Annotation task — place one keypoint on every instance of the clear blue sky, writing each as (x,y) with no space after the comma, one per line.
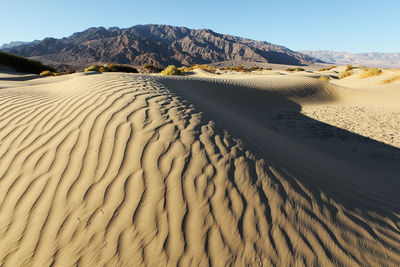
(338,25)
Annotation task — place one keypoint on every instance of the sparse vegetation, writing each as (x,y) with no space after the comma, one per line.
(120,68)
(391,79)
(208,68)
(47,73)
(149,68)
(171,70)
(325,78)
(255,68)
(370,72)
(235,68)
(22,64)
(349,67)
(327,68)
(93,68)
(345,74)
(243,69)
(294,69)
(112,68)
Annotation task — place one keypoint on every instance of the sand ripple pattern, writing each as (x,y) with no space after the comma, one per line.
(116,170)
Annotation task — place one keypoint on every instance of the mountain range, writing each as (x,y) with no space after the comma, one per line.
(160,45)
(383,60)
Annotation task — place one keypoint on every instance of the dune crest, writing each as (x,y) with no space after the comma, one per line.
(125,170)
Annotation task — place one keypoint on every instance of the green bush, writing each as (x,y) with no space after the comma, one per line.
(171,70)
(22,64)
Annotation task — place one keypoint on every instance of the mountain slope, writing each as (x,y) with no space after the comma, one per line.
(14,44)
(389,60)
(157,44)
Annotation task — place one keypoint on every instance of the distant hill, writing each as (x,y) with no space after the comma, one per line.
(21,64)
(385,60)
(160,45)
(16,44)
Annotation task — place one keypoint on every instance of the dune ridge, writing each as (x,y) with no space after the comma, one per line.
(120,170)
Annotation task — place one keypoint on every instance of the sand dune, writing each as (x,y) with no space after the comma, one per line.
(128,170)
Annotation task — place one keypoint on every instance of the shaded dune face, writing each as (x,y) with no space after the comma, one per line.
(127,170)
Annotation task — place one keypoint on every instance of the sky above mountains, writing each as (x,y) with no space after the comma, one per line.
(355,26)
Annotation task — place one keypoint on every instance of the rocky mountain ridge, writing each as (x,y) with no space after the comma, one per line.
(160,45)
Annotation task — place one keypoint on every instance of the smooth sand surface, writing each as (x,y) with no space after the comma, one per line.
(245,170)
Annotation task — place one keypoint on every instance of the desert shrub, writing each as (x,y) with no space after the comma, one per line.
(150,68)
(120,68)
(371,72)
(327,68)
(70,71)
(22,64)
(349,67)
(345,74)
(171,70)
(391,79)
(112,68)
(208,68)
(235,68)
(254,68)
(325,78)
(268,69)
(93,68)
(47,73)
(239,68)
(185,69)
(294,69)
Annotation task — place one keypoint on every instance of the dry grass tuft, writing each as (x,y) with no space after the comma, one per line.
(391,79)
(205,67)
(171,70)
(370,72)
(345,74)
(349,67)
(327,68)
(46,73)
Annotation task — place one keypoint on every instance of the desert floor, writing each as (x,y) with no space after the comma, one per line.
(264,169)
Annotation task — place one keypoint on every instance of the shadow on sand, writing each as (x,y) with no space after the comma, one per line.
(355,171)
